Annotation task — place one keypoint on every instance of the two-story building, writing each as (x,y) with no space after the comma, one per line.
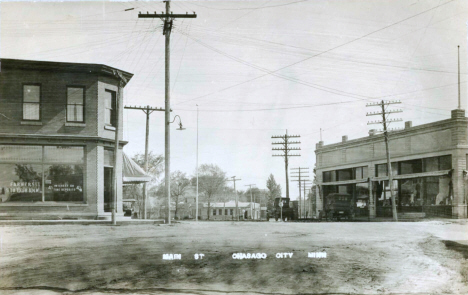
(429,168)
(57,139)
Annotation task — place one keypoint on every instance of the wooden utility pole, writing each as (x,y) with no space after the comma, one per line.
(385,121)
(147,110)
(286,149)
(250,185)
(237,206)
(118,99)
(168,19)
(299,180)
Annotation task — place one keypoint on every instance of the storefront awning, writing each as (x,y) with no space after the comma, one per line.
(132,173)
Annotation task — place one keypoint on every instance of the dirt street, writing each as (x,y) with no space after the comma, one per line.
(370,258)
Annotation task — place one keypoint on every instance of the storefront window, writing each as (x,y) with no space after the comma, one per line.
(431,164)
(329,176)
(20,183)
(24,169)
(410,167)
(344,174)
(381,169)
(360,172)
(63,183)
(445,162)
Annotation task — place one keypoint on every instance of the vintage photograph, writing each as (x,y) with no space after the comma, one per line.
(233,147)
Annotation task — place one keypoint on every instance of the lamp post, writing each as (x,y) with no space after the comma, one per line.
(167,172)
(196,199)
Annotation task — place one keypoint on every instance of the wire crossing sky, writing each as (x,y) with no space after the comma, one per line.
(256,68)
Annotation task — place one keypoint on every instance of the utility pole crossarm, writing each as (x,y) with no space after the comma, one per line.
(165,15)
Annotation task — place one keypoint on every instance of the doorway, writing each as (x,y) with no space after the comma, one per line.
(108,189)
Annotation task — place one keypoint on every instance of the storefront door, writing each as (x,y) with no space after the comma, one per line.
(108,189)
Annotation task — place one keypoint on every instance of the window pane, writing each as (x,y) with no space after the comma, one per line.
(31,93)
(75,95)
(20,183)
(445,162)
(75,113)
(431,164)
(63,183)
(364,172)
(108,157)
(409,167)
(345,174)
(31,111)
(21,153)
(64,154)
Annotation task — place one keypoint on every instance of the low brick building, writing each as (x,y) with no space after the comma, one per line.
(57,131)
(429,164)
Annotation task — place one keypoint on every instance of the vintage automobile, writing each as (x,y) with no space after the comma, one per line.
(339,206)
(283,209)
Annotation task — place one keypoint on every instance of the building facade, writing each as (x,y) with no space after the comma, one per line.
(57,139)
(226,211)
(429,166)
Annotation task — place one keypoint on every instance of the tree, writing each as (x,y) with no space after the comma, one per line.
(274,190)
(155,169)
(179,184)
(211,180)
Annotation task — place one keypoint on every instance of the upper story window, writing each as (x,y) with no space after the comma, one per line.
(32,102)
(110,105)
(75,104)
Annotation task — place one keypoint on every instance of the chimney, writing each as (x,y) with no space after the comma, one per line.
(408,124)
(344,138)
(458,114)
(372,132)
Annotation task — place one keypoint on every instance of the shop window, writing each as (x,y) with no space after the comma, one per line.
(431,164)
(381,169)
(214,212)
(344,174)
(20,183)
(226,211)
(445,162)
(220,211)
(360,172)
(75,104)
(329,176)
(31,102)
(231,211)
(24,170)
(63,183)
(410,167)
(110,105)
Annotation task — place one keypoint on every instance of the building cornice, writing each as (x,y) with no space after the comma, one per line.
(28,138)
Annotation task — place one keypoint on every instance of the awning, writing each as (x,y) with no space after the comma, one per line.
(132,173)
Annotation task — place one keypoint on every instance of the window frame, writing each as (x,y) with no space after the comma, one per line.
(40,102)
(83,104)
(113,115)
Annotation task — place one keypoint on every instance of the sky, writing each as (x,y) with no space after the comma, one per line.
(255,69)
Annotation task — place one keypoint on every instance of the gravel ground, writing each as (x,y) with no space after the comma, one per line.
(362,258)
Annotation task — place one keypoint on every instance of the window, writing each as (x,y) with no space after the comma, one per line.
(110,106)
(232,211)
(345,174)
(31,102)
(445,162)
(431,164)
(329,176)
(410,167)
(75,104)
(226,212)
(381,169)
(214,212)
(220,212)
(41,173)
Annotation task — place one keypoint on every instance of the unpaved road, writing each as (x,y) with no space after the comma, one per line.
(369,258)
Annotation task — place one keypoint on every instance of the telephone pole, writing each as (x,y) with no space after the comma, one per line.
(300,175)
(286,148)
(168,19)
(147,110)
(250,185)
(237,206)
(385,121)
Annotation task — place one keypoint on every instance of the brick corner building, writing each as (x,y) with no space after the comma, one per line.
(429,165)
(57,139)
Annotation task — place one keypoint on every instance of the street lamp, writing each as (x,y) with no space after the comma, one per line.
(167,172)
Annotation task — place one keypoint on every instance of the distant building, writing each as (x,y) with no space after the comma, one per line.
(57,131)
(226,211)
(429,164)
